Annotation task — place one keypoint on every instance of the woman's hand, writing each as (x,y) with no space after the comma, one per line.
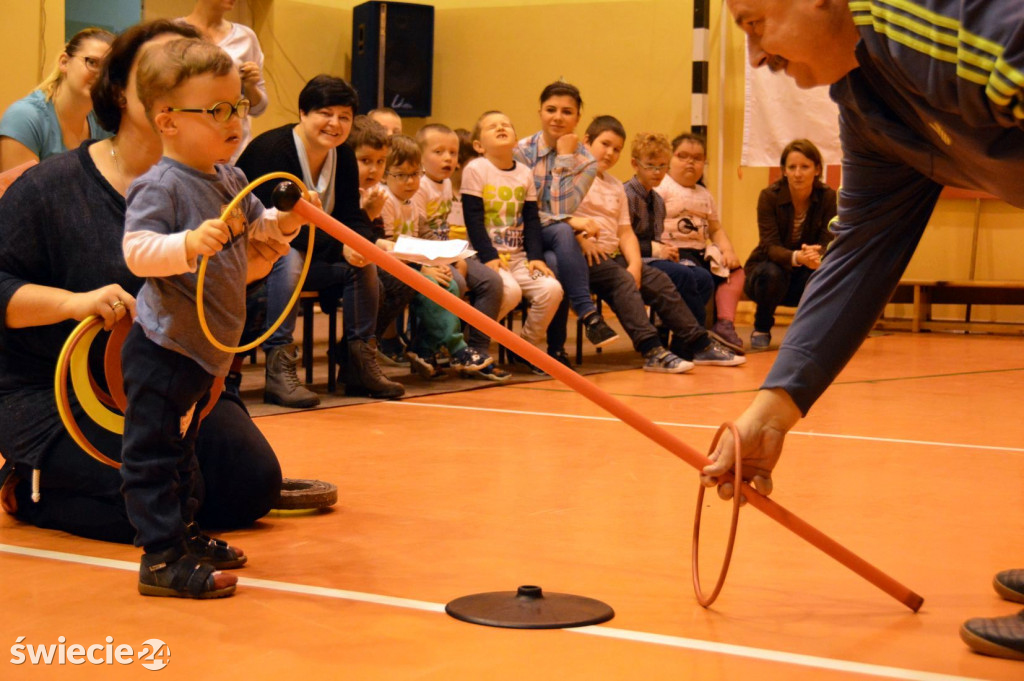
(111,303)
(762,427)
(353,257)
(261,257)
(731,261)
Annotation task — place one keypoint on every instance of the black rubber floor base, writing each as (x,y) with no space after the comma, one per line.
(529,608)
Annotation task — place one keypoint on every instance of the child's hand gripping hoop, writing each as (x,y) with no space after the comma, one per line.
(707,600)
(201,278)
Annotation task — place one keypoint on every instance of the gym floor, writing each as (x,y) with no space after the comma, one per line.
(914,460)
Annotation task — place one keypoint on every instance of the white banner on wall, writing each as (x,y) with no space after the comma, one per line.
(776,111)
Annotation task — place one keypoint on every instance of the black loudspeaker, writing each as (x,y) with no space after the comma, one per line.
(393,56)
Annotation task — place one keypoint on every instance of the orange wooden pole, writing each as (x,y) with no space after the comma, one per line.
(638,421)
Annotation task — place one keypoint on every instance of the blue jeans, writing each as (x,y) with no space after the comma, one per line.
(358,287)
(563,255)
(696,285)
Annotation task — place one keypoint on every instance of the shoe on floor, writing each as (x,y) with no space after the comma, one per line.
(995,636)
(471,360)
(760,340)
(716,354)
(425,366)
(662,361)
(391,353)
(1010,585)
(514,360)
(725,332)
(598,332)
(363,376)
(283,386)
(492,372)
(561,356)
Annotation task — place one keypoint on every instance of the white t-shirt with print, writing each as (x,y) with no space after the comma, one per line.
(688,211)
(504,192)
(606,204)
(433,200)
(400,217)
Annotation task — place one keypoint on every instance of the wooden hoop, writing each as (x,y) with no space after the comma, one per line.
(707,600)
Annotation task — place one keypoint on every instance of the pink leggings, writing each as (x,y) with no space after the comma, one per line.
(727,294)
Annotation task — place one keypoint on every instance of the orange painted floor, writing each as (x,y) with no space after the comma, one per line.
(914,460)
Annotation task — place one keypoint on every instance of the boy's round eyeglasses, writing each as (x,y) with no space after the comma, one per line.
(221,111)
(405,177)
(653,169)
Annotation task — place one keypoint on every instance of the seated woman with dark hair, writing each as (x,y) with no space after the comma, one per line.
(61,226)
(314,150)
(792,218)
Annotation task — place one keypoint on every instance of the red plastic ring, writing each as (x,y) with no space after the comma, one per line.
(707,600)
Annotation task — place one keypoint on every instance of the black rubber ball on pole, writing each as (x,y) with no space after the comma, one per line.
(286,195)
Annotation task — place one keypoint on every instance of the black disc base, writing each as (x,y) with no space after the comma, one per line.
(529,608)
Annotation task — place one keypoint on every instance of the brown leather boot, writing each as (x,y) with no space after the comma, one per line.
(283,385)
(363,376)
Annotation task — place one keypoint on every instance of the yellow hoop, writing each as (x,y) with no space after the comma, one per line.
(61,392)
(83,386)
(295,294)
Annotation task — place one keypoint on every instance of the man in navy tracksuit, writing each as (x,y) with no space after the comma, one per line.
(930,93)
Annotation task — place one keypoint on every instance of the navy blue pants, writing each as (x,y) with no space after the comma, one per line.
(166,391)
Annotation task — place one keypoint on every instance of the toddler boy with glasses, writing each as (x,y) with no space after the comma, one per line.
(189,89)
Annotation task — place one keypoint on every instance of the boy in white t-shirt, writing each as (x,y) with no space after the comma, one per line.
(619,276)
(440,148)
(499,204)
(433,325)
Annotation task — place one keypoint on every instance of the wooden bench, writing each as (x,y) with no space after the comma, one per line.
(923,293)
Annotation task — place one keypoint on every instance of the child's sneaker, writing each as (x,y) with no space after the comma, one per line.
(491,373)
(391,353)
(598,332)
(662,361)
(716,354)
(724,332)
(424,366)
(514,359)
(471,360)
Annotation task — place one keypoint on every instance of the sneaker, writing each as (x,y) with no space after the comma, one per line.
(662,361)
(760,340)
(725,332)
(471,360)
(424,366)
(491,372)
(561,356)
(598,332)
(995,636)
(391,353)
(716,354)
(1010,585)
(515,359)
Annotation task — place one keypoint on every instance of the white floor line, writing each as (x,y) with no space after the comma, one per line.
(604,631)
(701,426)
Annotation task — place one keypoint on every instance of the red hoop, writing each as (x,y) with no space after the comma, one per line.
(706,601)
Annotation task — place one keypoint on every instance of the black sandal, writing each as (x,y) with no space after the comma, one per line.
(216,552)
(178,575)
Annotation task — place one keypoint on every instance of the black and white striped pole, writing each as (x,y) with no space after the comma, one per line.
(701,49)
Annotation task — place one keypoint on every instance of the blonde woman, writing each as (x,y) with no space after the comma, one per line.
(57,115)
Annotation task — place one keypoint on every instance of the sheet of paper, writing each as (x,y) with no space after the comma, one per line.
(427,252)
